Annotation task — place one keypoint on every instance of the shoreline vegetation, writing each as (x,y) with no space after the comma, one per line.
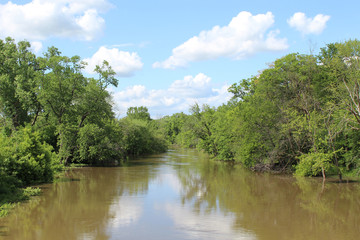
(301,115)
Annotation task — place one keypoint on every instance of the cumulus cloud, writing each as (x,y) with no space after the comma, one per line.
(306,25)
(198,86)
(123,63)
(178,97)
(245,36)
(36,46)
(41,19)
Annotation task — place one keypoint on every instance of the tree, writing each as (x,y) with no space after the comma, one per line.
(174,125)
(101,144)
(18,82)
(72,100)
(141,137)
(340,61)
(201,126)
(106,75)
(138,113)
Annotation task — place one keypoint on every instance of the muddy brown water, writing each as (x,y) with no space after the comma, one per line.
(183,195)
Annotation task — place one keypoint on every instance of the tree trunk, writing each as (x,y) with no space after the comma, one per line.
(323,173)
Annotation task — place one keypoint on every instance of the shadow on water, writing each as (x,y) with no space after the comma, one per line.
(350,181)
(65,179)
(141,163)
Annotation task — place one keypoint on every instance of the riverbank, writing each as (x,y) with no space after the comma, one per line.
(12,192)
(9,200)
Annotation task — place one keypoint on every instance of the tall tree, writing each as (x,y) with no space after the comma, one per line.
(18,82)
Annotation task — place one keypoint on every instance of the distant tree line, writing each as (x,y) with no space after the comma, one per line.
(302,114)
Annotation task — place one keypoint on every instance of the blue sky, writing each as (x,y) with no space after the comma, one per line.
(170,54)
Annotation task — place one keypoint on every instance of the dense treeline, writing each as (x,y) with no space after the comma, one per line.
(302,114)
(52,115)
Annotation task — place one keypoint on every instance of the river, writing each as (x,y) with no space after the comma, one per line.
(182,195)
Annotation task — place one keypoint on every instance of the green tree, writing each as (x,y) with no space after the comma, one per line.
(138,113)
(101,144)
(141,137)
(174,125)
(18,82)
(71,100)
(276,111)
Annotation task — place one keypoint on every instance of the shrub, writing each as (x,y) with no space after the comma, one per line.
(312,163)
(24,157)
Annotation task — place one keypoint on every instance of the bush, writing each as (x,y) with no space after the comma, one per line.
(312,163)
(25,158)
(8,185)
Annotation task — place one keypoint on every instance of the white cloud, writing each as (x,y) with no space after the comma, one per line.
(306,25)
(178,97)
(76,6)
(41,19)
(36,46)
(245,35)
(123,63)
(190,86)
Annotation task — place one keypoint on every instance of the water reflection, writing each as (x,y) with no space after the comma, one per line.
(81,209)
(182,195)
(125,211)
(200,222)
(273,207)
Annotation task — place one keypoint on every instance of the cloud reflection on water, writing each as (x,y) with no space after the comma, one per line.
(199,223)
(125,211)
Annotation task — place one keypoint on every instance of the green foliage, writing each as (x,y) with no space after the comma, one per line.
(18,81)
(303,110)
(174,125)
(51,114)
(138,113)
(23,156)
(100,145)
(141,137)
(8,184)
(13,195)
(313,163)
(5,208)
(204,129)
(70,112)
(106,75)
